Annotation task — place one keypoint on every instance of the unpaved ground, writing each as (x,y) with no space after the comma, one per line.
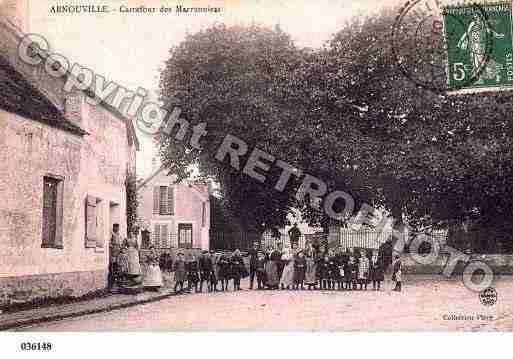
(424,305)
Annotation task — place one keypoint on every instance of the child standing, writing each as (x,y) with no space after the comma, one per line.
(205,268)
(339,263)
(192,274)
(238,269)
(166,265)
(348,273)
(311,271)
(363,270)
(333,271)
(377,271)
(397,273)
(214,273)
(324,272)
(299,270)
(260,270)
(180,273)
(224,271)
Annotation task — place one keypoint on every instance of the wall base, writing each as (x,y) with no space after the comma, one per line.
(37,288)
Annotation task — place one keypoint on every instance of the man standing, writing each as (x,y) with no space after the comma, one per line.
(280,264)
(294,235)
(397,273)
(253,259)
(114,251)
(206,268)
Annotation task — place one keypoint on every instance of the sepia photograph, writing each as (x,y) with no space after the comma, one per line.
(257,166)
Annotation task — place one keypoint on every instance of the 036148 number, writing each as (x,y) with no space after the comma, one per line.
(36,346)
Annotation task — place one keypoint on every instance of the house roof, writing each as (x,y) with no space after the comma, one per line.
(150,177)
(20,95)
(25,96)
(143,183)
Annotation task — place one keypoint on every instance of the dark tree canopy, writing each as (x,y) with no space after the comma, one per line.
(230,78)
(345,114)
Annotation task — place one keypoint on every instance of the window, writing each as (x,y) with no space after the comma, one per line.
(52,212)
(184,235)
(163,200)
(161,236)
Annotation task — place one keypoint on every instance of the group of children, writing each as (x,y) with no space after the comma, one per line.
(328,271)
(273,269)
(211,269)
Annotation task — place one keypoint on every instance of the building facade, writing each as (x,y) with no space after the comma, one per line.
(62,185)
(177,215)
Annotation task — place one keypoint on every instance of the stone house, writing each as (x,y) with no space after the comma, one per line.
(63,181)
(177,215)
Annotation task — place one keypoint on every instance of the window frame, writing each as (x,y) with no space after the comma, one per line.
(162,241)
(180,243)
(165,200)
(57,242)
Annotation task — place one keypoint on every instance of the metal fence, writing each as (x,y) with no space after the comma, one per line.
(333,239)
(340,238)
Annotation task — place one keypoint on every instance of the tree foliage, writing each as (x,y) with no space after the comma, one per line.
(434,158)
(345,114)
(228,77)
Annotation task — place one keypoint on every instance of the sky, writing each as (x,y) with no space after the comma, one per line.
(130,49)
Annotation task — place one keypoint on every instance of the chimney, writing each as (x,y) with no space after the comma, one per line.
(16,12)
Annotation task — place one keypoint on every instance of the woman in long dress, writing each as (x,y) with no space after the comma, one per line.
(311,271)
(123,266)
(153,275)
(271,270)
(287,277)
(397,273)
(134,265)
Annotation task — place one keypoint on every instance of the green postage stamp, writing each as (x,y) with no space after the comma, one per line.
(479,45)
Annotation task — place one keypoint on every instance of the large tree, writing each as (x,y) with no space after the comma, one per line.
(434,158)
(345,114)
(229,77)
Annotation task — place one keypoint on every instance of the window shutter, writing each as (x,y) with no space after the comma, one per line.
(90,240)
(163,200)
(163,235)
(59,241)
(156,235)
(156,200)
(99,225)
(170,201)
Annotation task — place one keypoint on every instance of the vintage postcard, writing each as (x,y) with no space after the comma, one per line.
(229,165)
